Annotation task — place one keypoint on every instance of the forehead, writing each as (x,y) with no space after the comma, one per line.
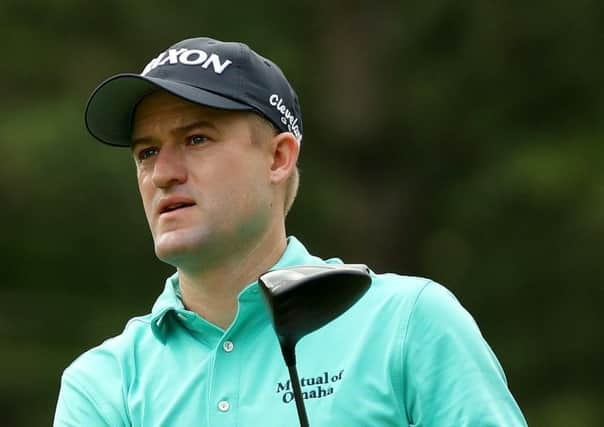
(162,110)
(163,105)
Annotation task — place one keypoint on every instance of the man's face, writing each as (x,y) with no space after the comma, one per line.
(203,179)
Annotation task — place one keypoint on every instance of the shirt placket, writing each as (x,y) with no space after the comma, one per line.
(224,391)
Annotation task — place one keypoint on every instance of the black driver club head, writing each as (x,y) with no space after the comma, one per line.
(304,298)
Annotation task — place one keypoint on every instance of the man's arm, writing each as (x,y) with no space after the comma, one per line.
(451,376)
(91,393)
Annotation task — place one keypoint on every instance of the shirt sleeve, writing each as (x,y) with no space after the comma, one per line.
(91,394)
(451,377)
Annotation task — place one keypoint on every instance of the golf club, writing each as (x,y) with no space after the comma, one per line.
(302,299)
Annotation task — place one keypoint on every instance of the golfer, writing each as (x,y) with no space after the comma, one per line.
(215,131)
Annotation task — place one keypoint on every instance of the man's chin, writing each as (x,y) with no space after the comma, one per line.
(174,246)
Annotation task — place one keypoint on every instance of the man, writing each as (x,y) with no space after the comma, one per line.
(215,131)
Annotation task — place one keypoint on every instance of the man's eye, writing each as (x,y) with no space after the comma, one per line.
(197,139)
(145,153)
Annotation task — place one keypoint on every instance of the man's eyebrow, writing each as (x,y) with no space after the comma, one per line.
(180,129)
(194,125)
(138,141)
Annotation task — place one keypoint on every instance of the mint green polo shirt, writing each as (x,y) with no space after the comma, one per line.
(407,354)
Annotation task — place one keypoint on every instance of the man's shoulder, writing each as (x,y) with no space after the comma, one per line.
(397,285)
(407,295)
(392,296)
(112,352)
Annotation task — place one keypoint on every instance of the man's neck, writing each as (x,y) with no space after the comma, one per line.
(212,293)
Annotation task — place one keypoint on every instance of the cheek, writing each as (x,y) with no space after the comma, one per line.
(248,177)
(227,171)
(145,189)
(239,186)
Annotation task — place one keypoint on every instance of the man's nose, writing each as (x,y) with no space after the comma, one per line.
(169,168)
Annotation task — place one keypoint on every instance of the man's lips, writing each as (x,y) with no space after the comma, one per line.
(173,203)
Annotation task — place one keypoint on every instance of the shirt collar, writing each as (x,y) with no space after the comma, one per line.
(170,299)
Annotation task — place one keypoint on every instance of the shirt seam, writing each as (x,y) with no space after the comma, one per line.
(102,413)
(403,348)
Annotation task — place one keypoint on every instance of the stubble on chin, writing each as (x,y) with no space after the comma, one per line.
(178,246)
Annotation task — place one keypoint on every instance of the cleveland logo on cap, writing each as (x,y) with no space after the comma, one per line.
(188,57)
(287,117)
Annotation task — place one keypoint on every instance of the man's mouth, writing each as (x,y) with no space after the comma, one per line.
(175,207)
(174,204)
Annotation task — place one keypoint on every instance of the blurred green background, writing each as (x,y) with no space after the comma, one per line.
(456,140)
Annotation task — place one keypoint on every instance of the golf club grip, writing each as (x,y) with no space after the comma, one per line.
(293,375)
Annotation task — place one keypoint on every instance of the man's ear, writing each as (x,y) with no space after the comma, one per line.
(284,156)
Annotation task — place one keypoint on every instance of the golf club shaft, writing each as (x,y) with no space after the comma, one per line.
(293,375)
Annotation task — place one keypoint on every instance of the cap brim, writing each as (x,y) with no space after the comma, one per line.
(111,106)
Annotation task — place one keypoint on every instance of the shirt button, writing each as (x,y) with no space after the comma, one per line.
(227,346)
(224,406)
